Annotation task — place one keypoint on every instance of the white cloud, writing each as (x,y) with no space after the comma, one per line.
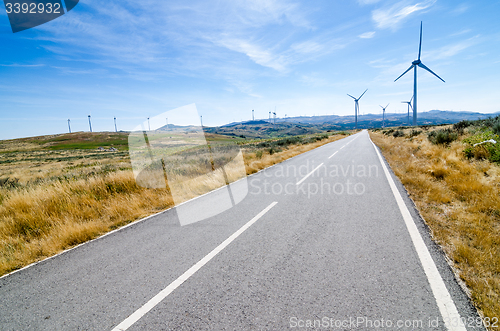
(462,8)
(306,47)
(367,35)
(22,65)
(258,55)
(392,17)
(367,2)
(450,50)
(195,39)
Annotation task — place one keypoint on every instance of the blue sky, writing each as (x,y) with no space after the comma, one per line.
(134,59)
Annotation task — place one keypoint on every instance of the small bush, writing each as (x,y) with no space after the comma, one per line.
(414,133)
(398,133)
(258,154)
(496,128)
(462,125)
(388,132)
(273,150)
(442,136)
(487,150)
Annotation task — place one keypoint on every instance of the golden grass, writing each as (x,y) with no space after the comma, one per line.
(459,199)
(65,198)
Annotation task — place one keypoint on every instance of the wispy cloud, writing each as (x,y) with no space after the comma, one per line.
(451,50)
(392,17)
(367,2)
(22,65)
(192,39)
(367,35)
(460,9)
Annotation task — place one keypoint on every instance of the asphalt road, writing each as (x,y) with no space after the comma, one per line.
(328,249)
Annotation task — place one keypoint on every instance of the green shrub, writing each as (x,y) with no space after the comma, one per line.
(398,133)
(487,150)
(388,132)
(496,128)
(442,136)
(414,133)
(462,125)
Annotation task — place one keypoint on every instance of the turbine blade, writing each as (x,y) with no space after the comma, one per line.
(351,96)
(420,46)
(387,105)
(421,65)
(411,98)
(363,94)
(381,107)
(405,72)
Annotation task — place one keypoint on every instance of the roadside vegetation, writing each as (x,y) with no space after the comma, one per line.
(59,191)
(452,173)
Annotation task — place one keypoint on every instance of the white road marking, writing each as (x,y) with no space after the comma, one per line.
(309,174)
(129,321)
(443,298)
(333,154)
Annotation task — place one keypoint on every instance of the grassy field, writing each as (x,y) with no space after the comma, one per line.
(60,191)
(456,187)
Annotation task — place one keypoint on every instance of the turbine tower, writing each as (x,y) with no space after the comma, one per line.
(356,108)
(383,114)
(253,117)
(414,65)
(409,105)
(116,129)
(69,125)
(90,124)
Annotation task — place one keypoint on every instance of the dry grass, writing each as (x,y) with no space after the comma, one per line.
(460,201)
(58,199)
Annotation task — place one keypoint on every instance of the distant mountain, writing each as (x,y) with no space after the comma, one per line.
(264,129)
(367,121)
(301,125)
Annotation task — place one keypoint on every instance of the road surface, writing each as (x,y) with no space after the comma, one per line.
(327,240)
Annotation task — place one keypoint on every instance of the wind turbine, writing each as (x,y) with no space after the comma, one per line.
(383,114)
(414,65)
(356,108)
(90,124)
(409,105)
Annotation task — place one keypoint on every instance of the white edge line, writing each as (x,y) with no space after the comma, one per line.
(129,321)
(158,213)
(443,298)
(309,174)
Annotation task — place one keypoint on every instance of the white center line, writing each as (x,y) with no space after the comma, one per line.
(443,298)
(333,154)
(309,174)
(129,321)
